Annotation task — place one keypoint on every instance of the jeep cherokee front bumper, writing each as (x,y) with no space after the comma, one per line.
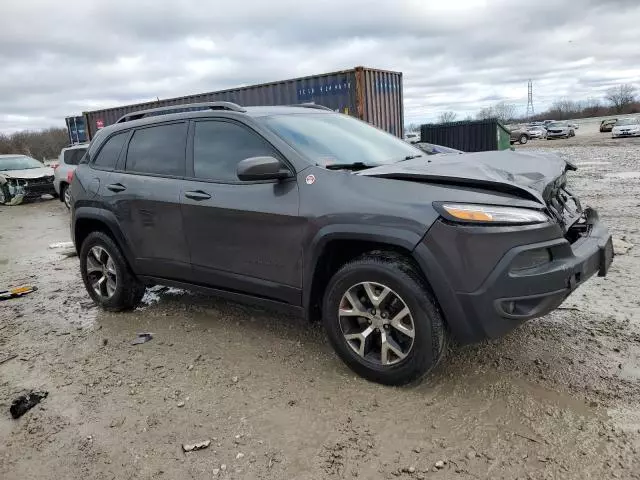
(488,280)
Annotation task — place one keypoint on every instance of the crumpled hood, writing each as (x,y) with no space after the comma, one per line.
(28,173)
(523,173)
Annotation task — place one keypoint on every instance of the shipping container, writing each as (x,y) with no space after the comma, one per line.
(468,135)
(75,129)
(368,94)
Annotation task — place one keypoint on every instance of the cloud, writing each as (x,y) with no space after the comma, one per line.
(460,56)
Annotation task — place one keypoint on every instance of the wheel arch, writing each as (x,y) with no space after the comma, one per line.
(89,219)
(334,246)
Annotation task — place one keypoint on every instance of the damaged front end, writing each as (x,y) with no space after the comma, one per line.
(14,191)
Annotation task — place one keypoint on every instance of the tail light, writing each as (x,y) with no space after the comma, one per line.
(70,176)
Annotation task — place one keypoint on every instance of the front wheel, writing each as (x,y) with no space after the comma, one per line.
(382,320)
(523,139)
(106,274)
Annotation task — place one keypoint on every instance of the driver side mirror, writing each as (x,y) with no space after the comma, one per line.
(262,168)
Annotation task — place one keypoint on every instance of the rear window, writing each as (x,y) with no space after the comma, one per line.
(158,150)
(73,156)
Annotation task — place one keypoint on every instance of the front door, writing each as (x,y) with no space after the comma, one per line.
(243,236)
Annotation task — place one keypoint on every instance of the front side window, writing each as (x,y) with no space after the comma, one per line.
(218,147)
(158,150)
(110,151)
(327,139)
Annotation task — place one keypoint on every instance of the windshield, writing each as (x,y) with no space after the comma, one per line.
(338,139)
(627,121)
(19,162)
(558,125)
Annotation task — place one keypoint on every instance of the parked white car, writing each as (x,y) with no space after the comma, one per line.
(412,137)
(626,127)
(63,171)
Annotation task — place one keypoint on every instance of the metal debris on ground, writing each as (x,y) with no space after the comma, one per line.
(196,446)
(62,245)
(24,403)
(17,292)
(142,338)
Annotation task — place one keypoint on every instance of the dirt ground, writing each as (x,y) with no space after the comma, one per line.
(557,398)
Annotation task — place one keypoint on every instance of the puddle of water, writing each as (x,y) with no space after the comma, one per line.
(623,175)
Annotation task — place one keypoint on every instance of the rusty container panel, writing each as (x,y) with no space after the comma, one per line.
(382,99)
(342,91)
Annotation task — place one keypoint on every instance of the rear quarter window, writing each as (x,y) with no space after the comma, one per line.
(73,156)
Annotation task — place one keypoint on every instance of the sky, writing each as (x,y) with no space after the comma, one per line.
(59,59)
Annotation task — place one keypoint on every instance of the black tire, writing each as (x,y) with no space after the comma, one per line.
(129,290)
(523,139)
(398,273)
(64,188)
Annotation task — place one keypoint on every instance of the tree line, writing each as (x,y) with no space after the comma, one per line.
(41,145)
(617,101)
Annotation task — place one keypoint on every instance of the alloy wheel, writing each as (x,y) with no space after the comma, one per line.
(376,323)
(101,272)
(67,197)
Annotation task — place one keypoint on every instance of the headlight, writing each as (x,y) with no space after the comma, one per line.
(471,213)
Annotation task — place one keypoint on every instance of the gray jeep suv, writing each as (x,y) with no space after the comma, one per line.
(316,212)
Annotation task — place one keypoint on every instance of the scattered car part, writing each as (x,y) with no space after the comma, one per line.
(196,446)
(142,338)
(17,292)
(24,403)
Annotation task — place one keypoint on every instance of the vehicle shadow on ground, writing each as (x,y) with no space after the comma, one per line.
(549,351)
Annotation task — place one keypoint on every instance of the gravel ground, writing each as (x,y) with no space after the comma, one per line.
(557,398)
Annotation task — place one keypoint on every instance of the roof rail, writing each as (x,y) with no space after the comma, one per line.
(185,107)
(312,105)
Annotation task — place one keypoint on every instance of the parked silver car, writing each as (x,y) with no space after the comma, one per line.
(63,172)
(559,130)
(537,131)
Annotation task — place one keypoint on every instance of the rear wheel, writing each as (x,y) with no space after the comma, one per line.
(382,320)
(65,195)
(106,274)
(523,139)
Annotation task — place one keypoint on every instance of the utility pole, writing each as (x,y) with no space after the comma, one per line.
(530,100)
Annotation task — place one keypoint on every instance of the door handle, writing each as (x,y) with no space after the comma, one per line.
(197,195)
(116,187)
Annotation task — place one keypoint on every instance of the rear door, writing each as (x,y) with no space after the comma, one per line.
(145,196)
(243,236)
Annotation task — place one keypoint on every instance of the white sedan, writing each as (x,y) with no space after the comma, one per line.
(626,127)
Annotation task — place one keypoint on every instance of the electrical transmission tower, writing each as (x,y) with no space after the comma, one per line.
(530,100)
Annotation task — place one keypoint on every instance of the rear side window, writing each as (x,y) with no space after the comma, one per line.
(158,150)
(219,146)
(73,156)
(110,151)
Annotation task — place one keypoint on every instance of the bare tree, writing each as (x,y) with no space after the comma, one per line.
(621,96)
(43,144)
(447,117)
(503,111)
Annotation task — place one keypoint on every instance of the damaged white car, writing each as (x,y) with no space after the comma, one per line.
(23,178)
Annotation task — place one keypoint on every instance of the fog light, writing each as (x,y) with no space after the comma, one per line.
(531,259)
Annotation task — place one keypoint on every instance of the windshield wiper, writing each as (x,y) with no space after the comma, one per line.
(408,157)
(348,166)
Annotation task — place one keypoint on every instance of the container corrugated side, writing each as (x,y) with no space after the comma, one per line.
(382,101)
(468,136)
(371,95)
